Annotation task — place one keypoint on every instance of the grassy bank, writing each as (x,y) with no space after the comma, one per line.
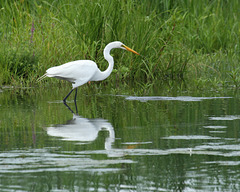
(197,41)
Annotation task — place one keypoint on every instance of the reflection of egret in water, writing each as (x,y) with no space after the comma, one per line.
(83,130)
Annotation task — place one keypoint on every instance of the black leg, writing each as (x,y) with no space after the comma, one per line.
(76,102)
(75,95)
(68,107)
(64,100)
(76,107)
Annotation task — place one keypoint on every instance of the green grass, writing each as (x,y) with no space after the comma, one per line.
(195,41)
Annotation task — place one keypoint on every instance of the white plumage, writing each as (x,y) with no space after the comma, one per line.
(77,72)
(81,71)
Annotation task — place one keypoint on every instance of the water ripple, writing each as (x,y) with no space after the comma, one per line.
(180,98)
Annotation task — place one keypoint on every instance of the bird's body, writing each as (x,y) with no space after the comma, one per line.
(77,72)
(81,71)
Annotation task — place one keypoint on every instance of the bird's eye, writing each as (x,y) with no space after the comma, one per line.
(123,46)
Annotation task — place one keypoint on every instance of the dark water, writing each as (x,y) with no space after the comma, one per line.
(119,142)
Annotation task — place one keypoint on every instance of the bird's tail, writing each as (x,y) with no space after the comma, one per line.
(42,77)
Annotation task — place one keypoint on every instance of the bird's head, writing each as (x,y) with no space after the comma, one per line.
(118,44)
(129,49)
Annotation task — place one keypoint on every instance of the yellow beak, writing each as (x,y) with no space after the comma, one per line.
(129,49)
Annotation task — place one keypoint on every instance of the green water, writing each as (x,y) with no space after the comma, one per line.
(119,142)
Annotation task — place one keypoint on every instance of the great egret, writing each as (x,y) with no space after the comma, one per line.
(82,71)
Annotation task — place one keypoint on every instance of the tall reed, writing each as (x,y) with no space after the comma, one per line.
(177,39)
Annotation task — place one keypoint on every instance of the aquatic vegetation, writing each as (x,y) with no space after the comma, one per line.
(178,39)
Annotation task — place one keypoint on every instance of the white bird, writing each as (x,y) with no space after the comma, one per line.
(82,71)
(83,130)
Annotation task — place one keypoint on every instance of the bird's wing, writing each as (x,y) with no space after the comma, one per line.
(78,72)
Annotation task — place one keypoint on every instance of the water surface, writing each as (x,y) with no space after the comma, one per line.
(119,142)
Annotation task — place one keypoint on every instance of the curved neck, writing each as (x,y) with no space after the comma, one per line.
(110,61)
(101,75)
